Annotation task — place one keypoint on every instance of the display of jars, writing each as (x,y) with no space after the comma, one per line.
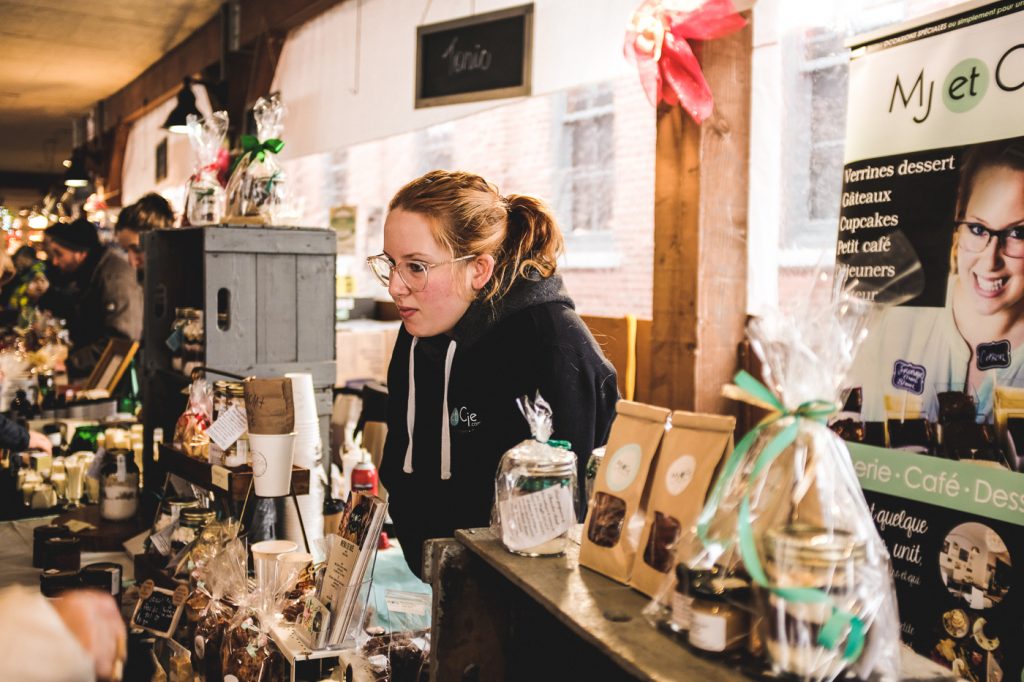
(119,486)
(187,341)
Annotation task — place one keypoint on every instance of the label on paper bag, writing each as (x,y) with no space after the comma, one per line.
(623,467)
(530,520)
(229,427)
(679,475)
(219,476)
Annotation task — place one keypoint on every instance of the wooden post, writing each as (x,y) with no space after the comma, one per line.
(700,242)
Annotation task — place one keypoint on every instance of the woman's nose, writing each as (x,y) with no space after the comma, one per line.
(396,285)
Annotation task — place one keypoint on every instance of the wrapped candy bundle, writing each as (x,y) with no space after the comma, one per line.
(204,196)
(257,184)
(785,561)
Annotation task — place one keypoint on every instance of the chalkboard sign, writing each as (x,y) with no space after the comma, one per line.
(485,56)
(159,612)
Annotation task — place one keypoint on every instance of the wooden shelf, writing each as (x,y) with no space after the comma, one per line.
(485,595)
(238,478)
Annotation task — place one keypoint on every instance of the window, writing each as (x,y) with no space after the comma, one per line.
(586,160)
(798,129)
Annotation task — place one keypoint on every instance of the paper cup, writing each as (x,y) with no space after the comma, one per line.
(264,559)
(303,397)
(272,456)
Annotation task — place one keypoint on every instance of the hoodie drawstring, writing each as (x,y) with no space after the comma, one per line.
(446,441)
(410,418)
(410,421)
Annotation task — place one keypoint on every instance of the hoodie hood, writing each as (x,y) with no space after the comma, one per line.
(479,319)
(527,292)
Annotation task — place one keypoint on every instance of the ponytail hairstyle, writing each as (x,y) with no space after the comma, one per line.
(469,217)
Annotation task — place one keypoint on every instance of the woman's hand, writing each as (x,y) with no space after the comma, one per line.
(39,441)
(92,617)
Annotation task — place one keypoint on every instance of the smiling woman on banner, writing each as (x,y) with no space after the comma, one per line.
(977,340)
(486,319)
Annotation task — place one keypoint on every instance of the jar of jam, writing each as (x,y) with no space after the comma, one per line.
(807,556)
(719,612)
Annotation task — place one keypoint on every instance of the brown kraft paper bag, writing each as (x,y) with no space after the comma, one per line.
(611,532)
(268,405)
(687,459)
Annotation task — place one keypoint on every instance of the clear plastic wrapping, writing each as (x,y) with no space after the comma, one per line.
(257,184)
(190,431)
(204,196)
(535,488)
(220,585)
(784,564)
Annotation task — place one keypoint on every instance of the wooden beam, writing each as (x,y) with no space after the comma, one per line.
(203,48)
(700,244)
(29,180)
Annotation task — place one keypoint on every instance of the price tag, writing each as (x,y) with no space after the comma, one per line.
(228,428)
(219,476)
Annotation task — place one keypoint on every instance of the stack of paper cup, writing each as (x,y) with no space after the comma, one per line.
(271,417)
(309,455)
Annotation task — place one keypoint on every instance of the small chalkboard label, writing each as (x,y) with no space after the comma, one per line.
(484,56)
(993,355)
(159,612)
(908,376)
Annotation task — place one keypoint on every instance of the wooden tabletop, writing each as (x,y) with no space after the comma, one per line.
(609,616)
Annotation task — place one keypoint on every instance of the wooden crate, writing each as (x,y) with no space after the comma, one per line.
(268,299)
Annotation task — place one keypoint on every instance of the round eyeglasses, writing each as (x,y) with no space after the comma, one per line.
(975,238)
(413,273)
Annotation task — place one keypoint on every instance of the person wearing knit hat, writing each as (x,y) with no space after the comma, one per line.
(102,299)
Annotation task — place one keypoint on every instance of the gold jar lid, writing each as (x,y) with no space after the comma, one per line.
(812,546)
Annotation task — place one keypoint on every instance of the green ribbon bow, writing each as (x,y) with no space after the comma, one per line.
(753,391)
(252,147)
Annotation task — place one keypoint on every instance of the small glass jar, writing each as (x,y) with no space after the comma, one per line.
(228,394)
(682,601)
(170,511)
(719,615)
(811,557)
(193,342)
(533,469)
(119,486)
(191,524)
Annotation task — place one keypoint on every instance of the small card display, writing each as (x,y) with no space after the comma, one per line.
(159,610)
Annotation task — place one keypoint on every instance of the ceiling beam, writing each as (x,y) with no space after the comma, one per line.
(28,180)
(203,48)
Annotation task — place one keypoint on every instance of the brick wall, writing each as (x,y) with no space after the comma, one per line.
(519,147)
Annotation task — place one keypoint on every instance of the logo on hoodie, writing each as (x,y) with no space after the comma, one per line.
(462,416)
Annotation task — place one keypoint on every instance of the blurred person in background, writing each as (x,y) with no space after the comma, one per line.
(102,299)
(151,212)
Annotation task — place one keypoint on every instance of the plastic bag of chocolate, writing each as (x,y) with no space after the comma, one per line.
(247,652)
(297,575)
(535,488)
(220,585)
(786,547)
(190,430)
(204,196)
(257,184)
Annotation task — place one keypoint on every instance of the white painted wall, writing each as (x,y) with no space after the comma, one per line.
(341,92)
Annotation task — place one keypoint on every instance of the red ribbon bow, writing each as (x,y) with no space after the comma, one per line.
(656,40)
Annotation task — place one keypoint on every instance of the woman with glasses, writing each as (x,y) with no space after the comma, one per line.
(977,340)
(486,320)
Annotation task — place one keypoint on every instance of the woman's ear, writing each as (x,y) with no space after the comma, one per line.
(481,270)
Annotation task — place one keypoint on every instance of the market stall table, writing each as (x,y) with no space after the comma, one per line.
(499,616)
(16,558)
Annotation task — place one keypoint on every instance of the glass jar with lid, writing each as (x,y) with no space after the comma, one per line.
(719,616)
(806,556)
(119,486)
(535,498)
(194,344)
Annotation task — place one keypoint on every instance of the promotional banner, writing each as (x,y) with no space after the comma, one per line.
(935,157)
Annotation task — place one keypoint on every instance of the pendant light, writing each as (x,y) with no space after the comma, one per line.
(186,105)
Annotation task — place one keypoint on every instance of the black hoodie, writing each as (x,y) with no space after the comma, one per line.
(531,340)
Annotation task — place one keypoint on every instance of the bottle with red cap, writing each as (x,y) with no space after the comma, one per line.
(364,475)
